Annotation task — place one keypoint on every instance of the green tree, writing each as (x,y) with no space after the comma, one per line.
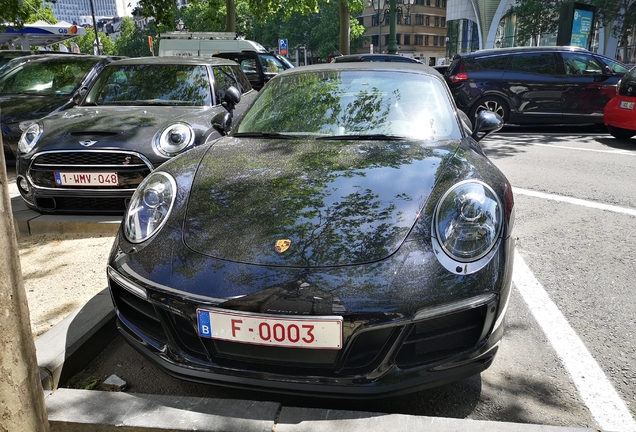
(535,18)
(87,42)
(133,41)
(619,16)
(209,13)
(317,31)
(20,12)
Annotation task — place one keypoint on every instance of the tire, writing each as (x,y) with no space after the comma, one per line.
(490,103)
(620,133)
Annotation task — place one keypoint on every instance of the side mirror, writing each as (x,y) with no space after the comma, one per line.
(79,95)
(231,98)
(486,123)
(222,122)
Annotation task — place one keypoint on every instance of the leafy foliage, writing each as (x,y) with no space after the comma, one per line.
(133,41)
(535,18)
(20,12)
(313,23)
(87,42)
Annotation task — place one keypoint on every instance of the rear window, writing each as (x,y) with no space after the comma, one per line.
(533,63)
(490,63)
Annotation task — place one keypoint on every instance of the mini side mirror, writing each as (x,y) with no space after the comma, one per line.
(79,95)
(222,122)
(231,98)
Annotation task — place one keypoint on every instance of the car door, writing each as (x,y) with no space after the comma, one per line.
(533,86)
(588,86)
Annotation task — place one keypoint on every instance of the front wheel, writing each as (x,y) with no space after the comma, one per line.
(620,133)
(491,103)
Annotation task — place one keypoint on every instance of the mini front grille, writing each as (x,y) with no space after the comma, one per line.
(83,205)
(130,169)
(88,158)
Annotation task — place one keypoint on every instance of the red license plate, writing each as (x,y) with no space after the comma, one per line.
(287,331)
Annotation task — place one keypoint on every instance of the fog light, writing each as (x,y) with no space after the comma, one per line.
(24,185)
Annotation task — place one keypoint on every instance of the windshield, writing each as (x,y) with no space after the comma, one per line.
(378,104)
(185,85)
(51,76)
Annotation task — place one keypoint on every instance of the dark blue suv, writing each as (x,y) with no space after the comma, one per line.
(535,84)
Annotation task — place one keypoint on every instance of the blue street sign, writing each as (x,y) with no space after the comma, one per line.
(282,46)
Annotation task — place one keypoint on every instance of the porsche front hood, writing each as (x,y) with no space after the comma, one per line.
(311,203)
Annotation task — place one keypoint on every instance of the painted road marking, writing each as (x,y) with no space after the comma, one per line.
(576,201)
(604,403)
(621,152)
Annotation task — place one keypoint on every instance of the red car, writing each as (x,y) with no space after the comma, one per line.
(620,112)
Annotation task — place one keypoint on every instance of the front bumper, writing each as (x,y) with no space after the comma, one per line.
(619,117)
(383,354)
(37,185)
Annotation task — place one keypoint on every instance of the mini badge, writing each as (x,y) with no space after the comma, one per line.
(282,245)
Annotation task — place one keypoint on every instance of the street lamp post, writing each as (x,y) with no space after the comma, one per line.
(382,15)
(391,15)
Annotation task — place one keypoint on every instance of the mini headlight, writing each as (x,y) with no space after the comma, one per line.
(173,139)
(30,138)
(149,207)
(468,220)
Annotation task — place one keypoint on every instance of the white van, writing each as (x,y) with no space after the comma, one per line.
(204,44)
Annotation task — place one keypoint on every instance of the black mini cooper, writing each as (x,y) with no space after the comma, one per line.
(138,114)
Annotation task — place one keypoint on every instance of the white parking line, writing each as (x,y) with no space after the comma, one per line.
(622,152)
(606,406)
(576,201)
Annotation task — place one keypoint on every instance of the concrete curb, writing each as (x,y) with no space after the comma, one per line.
(88,411)
(75,341)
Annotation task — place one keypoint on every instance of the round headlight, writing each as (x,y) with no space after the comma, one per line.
(468,220)
(30,138)
(173,139)
(149,207)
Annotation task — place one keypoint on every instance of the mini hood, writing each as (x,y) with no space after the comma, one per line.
(17,108)
(129,128)
(310,203)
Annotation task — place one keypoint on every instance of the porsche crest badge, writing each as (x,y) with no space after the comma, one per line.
(282,245)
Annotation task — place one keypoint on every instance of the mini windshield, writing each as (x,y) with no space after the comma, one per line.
(352,104)
(185,85)
(53,76)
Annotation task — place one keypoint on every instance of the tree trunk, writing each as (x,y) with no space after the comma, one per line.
(21,396)
(230,17)
(345,27)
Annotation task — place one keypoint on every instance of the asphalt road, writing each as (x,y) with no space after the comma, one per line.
(568,357)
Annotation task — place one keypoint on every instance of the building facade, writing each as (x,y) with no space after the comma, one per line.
(420,29)
(78,11)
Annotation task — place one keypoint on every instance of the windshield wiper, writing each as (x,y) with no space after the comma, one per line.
(264,135)
(363,137)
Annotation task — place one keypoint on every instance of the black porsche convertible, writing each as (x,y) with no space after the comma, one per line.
(348,238)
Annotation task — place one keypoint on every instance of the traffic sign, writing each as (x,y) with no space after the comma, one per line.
(282,46)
